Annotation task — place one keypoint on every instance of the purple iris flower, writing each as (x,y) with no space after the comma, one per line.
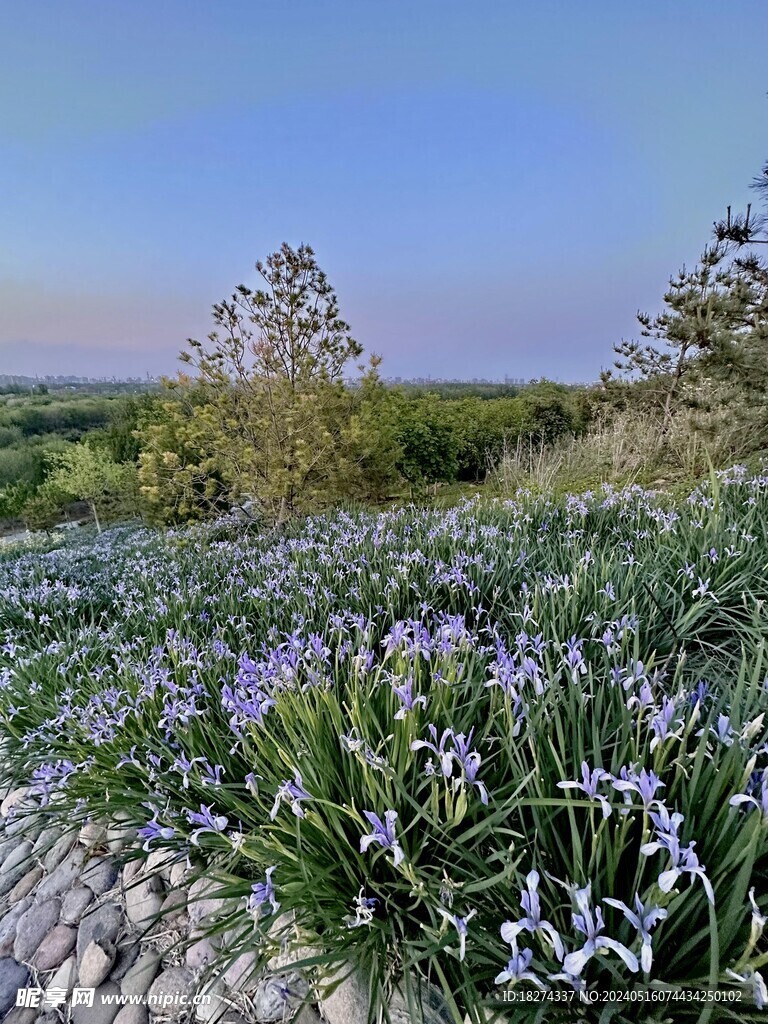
(518,969)
(383,833)
(684,859)
(469,761)
(588,785)
(263,893)
(643,919)
(574,657)
(590,923)
(407,700)
(438,749)
(645,785)
(207,821)
(760,801)
(532,922)
(154,830)
(291,793)
(460,924)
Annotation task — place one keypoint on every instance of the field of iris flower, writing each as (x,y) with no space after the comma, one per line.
(516,747)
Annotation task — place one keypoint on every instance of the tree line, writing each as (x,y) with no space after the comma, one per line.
(276,414)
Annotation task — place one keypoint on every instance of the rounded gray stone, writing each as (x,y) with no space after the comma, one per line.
(55,947)
(200,954)
(241,975)
(7,846)
(99,874)
(75,903)
(101,925)
(21,1015)
(9,878)
(132,1014)
(25,885)
(13,976)
(9,923)
(33,926)
(58,851)
(102,1012)
(19,855)
(215,1005)
(139,977)
(63,876)
(128,950)
(179,874)
(143,901)
(66,976)
(202,900)
(172,990)
(93,833)
(174,910)
(14,801)
(47,839)
(119,835)
(275,998)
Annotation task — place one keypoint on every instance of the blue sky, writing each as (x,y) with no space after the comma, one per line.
(493,188)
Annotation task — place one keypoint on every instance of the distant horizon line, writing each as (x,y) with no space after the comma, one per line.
(150,378)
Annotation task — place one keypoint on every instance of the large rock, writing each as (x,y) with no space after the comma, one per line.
(171,992)
(8,925)
(19,855)
(99,874)
(56,853)
(75,903)
(63,876)
(241,975)
(93,833)
(102,1011)
(202,901)
(132,1014)
(55,947)
(200,954)
(25,885)
(15,800)
(96,963)
(33,926)
(139,977)
(66,976)
(13,976)
(102,925)
(143,901)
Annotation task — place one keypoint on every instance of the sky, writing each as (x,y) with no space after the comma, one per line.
(494,188)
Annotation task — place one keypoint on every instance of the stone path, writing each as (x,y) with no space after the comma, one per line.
(89,910)
(76,914)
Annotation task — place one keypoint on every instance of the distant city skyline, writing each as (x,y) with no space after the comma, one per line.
(492,190)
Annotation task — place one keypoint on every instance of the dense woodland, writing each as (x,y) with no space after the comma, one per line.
(276,414)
